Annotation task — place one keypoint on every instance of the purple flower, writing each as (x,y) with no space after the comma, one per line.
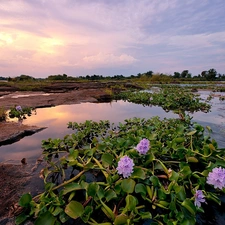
(143,146)
(199,198)
(217,178)
(18,108)
(125,166)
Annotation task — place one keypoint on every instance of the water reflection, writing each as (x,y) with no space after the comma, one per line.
(56,119)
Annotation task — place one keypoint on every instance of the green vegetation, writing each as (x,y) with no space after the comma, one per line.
(177,99)
(168,184)
(19,112)
(177,77)
(83,184)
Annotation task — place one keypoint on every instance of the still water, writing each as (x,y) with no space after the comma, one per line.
(56,119)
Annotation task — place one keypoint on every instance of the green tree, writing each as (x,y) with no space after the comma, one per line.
(184,73)
(176,75)
(149,73)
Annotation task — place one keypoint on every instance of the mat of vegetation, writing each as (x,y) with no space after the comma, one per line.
(139,172)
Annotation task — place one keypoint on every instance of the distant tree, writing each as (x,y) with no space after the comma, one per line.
(176,75)
(204,73)
(212,74)
(189,75)
(184,73)
(149,73)
(139,75)
(23,77)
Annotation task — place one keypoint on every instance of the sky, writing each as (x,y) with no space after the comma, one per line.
(111,37)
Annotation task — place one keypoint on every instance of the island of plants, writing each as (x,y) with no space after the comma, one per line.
(140,171)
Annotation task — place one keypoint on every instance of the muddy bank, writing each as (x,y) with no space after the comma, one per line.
(42,99)
(11,131)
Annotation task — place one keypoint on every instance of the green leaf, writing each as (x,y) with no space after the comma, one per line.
(192,159)
(192,132)
(74,209)
(121,219)
(190,221)
(46,218)
(107,159)
(25,200)
(188,204)
(128,185)
(21,218)
(110,194)
(213,197)
(140,188)
(87,213)
(155,181)
(179,140)
(57,210)
(145,215)
(174,176)
(131,203)
(92,189)
(138,173)
(71,187)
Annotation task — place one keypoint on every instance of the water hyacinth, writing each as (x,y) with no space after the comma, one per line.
(18,108)
(143,146)
(217,178)
(199,198)
(125,166)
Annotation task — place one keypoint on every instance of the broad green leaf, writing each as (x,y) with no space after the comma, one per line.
(74,209)
(110,194)
(128,185)
(107,159)
(140,188)
(131,203)
(25,200)
(92,189)
(138,173)
(71,187)
(155,181)
(188,204)
(21,218)
(174,176)
(121,219)
(46,218)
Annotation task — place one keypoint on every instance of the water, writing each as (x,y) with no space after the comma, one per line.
(56,119)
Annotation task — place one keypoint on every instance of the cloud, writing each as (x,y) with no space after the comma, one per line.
(110,36)
(102,59)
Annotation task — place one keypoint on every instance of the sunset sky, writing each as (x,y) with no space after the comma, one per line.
(109,37)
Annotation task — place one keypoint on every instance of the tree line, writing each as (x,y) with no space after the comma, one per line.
(206,75)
